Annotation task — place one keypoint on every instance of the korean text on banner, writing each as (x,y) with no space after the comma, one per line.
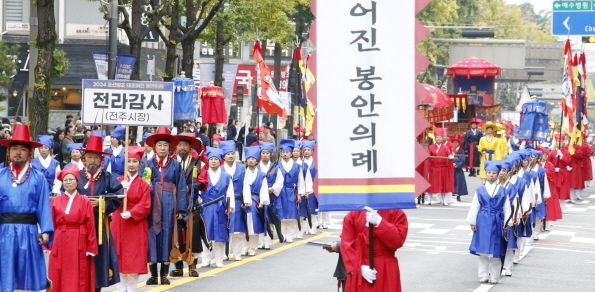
(124,67)
(132,103)
(101,64)
(370,159)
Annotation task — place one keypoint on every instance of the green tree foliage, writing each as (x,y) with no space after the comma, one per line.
(8,67)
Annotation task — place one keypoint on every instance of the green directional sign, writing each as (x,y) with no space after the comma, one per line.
(574,6)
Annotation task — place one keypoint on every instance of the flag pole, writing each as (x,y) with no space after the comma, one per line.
(126,175)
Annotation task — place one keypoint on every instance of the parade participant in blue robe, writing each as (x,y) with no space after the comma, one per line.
(75,155)
(486,216)
(25,217)
(115,162)
(255,186)
(219,204)
(514,143)
(169,203)
(525,191)
(289,189)
(472,137)
(542,193)
(271,171)
(310,201)
(458,163)
(509,183)
(97,183)
(46,164)
(238,223)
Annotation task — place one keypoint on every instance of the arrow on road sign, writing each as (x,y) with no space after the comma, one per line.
(565,23)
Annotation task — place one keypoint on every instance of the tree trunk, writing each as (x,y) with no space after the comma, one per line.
(188,56)
(135,50)
(136,41)
(277,65)
(170,61)
(45,42)
(219,57)
(171,44)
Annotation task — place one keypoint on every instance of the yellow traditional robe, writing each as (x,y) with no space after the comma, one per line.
(491,145)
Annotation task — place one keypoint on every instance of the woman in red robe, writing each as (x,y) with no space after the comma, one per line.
(552,204)
(130,227)
(71,259)
(441,170)
(390,232)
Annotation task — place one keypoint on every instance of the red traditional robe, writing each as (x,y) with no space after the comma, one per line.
(587,165)
(552,204)
(561,180)
(70,268)
(577,172)
(441,170)
(131,234)
(389,236)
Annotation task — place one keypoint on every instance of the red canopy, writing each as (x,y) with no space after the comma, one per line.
(474,67)
(442,105)
(213,105)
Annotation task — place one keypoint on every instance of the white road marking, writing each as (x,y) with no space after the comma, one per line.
(434,231)
(563,233)
(483,288)
(582,239)
(420,225)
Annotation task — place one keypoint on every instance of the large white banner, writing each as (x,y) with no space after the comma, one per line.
(365,89)
(132,103)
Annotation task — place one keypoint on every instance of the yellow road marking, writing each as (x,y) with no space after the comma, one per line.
(215,271)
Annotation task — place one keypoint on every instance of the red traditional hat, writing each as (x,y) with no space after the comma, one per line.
(560,137)
(475,120)
(191,139)
(162,134)
(95,144)
(457,138)
(440,132)
(218,137)
(20,135)
(260,129)
(299,129)
(73,169)
(136,152)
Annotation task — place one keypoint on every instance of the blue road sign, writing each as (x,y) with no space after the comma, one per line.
(573,23)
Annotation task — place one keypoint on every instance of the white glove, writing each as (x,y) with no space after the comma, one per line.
(368,274)
(559,154)
(372,216)
(90,254)
(125,184)
(569,168)
(451,156)
(126,214)
(557,169)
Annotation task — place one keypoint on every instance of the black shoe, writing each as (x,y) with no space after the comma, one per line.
(164,280)
(176,273)
(192,269)
(152,281)
(193,273)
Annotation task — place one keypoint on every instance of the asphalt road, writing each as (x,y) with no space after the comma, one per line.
(434,258)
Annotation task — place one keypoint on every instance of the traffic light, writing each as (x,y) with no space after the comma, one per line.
(589,39)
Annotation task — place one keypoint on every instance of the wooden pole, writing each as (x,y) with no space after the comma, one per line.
(126,176)
(371,246)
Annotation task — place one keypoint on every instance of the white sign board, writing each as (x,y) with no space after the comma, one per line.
(123,102)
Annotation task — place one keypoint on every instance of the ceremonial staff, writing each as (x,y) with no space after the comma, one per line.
(370,243)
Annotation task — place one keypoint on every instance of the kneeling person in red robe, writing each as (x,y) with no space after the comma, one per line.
(390,232)
(71,260)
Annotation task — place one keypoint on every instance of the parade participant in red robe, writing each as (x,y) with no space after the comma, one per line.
(71,260)
(561,181)
(553,210)
(441,170)
(576,172)
(587,165)
(390,232)
(130,227)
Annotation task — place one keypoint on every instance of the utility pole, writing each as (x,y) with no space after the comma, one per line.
(113,38)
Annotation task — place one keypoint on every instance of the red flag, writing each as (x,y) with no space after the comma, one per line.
(568,88)
(268,96)
(213,105)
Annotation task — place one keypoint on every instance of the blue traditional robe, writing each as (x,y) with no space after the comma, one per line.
(114,162)
(460,183)
(49,173)
(524,228)
(271,175)
(106,262)
(22,265)
(489,239)
(470,146)
(511,190)
(312,200)
(214,214)
(540,210)
(258,215)
(238,222)
(285,203)
(163,183)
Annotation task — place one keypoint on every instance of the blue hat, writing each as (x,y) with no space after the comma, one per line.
(309,144)
(98,133)
(535,152)
(252,151)
(47,140)
(227,146)
(492,166)
(118,132)
(506,164)
(287,144)
(514,158)
(516,130)
(146,135)
(297,144)
(214,152)
(73,146)
(266,146)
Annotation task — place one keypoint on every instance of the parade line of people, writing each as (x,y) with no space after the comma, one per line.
(526,187)
(104,220)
